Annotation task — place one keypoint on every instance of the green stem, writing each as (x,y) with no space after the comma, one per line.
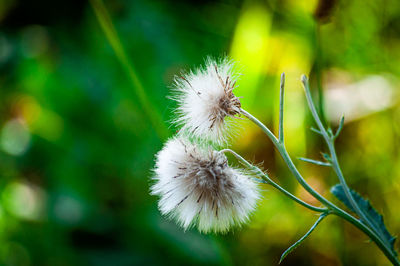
(282,150)
(269,181)
(371,234)
(336,210)
(329,139)
(298,242)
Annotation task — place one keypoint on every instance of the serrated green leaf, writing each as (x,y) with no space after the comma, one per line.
(372,214)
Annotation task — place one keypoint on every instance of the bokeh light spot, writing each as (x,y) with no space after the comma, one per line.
(68,210)
(15,137)
(24,200)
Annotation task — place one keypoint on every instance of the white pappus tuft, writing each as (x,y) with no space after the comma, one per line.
(205,98)
(197,187)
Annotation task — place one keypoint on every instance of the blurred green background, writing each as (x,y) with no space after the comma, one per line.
(83,110)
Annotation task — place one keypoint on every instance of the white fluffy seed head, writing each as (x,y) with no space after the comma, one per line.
(197,187)
(205,98)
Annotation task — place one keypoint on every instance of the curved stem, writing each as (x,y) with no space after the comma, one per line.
(371,234)
(329,139)
(282,150)
(336,210)
(298,242)
(330,147)
(269,181)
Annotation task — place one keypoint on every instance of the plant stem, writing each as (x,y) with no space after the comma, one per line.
(336,210)
(329,139)
(269,181)
(298,242)
(282,150)
(378,241)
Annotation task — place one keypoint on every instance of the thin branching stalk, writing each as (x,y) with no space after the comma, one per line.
(269,181)
(329,139)
(298,242)
(282,150)
(335,209)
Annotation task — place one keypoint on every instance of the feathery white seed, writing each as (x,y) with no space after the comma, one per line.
(205,98)
(197,187)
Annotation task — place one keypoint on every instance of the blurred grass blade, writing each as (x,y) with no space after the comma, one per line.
(111,34)
(298,242)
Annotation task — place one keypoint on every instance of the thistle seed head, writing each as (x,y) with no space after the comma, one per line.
(197,187)
(205,98)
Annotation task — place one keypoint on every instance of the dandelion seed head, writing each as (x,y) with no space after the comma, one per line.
(205,98)
(197,187)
